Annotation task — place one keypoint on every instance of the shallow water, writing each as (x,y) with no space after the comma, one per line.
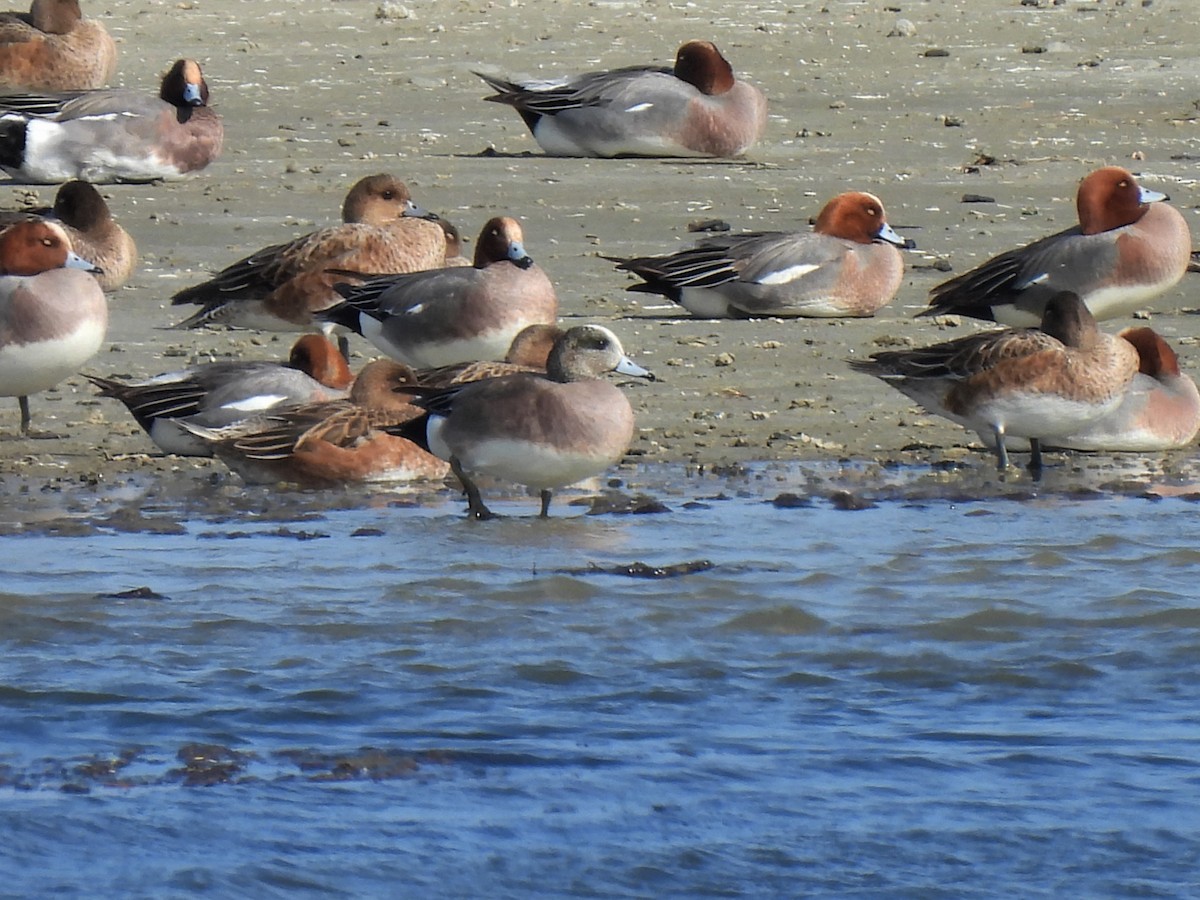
(924,697)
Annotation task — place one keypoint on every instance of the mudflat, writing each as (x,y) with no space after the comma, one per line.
(973,122)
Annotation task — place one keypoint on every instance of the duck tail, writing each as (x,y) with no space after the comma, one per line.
(341,314)
(12,142)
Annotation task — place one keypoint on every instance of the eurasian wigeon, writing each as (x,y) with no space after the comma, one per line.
(848,265)
(339,442)
(1128,248)
(280,287)
(453,314)
(93,232)
(542,431)
(53,314)
(112,135)
(1160,409)
(54,48)
(1039,383)
(217,394)
(697,108)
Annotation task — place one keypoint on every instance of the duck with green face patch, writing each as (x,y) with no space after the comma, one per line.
(542,431)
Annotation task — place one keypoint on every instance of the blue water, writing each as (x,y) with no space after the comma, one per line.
(925,698)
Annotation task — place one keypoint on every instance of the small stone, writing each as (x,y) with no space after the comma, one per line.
(903,28)
(789,500)
(708,225)
(393,11)
(844,500)
(724,359)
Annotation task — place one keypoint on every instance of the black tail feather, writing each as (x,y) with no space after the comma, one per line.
(12,142)
(343,314)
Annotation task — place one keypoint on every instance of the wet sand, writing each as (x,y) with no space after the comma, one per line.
(1015,103)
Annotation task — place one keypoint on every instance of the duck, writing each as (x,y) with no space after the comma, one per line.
(542,431)
(453,314)
(848,265)
(1039,383)
(1129,247)
(93,232)
(327,443)
(217,394)
(1160,409)
(280,287)
(321,445)
(112,135)
(697,108)
(54,48)
(53,314)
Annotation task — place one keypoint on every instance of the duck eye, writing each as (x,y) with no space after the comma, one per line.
(389,195)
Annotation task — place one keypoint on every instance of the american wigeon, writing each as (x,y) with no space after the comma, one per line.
(112,135)
(1160,409)
(53,48)
(323,444)
(453,314)
(280,287)
(1038,383)
(1128,248)
(53,314)
(217,394)
(848,265)
(697,108)
(542,431)
(93,232)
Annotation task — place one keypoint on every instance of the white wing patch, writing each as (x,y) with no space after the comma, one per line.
(639,107)
(791,273)
(256,403)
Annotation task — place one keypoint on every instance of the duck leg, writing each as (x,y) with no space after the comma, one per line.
(546,493)
(1001,450)
(475,505)
(1035,458)
(27,419)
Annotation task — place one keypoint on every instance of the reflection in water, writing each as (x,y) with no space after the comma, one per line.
(255,694)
